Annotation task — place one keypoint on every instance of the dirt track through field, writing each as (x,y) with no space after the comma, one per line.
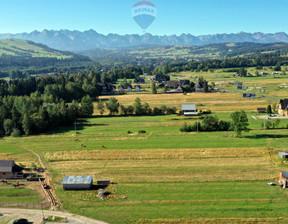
(48,179)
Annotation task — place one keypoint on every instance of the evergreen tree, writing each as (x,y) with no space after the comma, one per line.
(269,109)
(153,87)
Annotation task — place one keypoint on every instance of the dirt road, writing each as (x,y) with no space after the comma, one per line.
(7,215)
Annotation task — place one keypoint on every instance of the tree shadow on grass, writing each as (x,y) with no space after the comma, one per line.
(262,136)
(79,127)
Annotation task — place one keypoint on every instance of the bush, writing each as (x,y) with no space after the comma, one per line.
(191,128)
(16,133)
(141,132)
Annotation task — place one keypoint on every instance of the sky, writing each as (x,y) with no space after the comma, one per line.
(197,17)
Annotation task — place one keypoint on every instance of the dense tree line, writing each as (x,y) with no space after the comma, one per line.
(38,113)
(238,62)
(138,108)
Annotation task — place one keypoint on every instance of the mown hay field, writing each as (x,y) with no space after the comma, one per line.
(167,176)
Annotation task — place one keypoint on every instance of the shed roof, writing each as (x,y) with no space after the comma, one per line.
(6,165)
(285,174)
(188,107)
(77,180)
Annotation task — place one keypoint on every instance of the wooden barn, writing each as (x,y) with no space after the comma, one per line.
(283,107)
(261,110)
(77,182)
(9,170)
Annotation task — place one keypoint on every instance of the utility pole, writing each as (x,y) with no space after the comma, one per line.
(75,125)
(197,126)
(138,127)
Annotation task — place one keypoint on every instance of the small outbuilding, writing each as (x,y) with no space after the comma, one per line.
(103,182)
(261,110)
(77,182)
(189,110)
(283,155)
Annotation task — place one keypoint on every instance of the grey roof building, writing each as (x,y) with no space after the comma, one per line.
(77,182)
(189,110)
(9,170)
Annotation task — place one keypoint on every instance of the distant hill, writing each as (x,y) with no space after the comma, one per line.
(78,41)
(24,48)
(20,54)
(186,53)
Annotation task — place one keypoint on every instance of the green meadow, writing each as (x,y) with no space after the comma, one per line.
(164,175)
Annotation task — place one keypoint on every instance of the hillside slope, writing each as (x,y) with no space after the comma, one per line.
(24,48)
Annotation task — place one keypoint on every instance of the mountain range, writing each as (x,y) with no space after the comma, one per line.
(79,41)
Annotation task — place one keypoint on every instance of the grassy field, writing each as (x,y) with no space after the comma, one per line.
(168,176)
(16,47)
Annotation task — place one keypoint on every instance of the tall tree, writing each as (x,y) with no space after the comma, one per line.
(87,107)
(153,87)
(269,109)
(26,124)
(101,107)
(113,105)
(239,122)
(8,126)
(138,106)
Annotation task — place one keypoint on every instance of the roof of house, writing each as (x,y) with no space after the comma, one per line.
(285,174)
(77,180)
(188,107)
(284,104)
(7,166)
(172,84)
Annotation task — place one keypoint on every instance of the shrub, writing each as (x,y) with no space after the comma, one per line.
(15,133)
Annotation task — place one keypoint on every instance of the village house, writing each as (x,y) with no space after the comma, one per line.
(175,84)
(106,88)
(283,107)
(189,110)
(283,179)
(129,89)
(121,89)
(162,78)
(178,90)
(9,170)
(137,88)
